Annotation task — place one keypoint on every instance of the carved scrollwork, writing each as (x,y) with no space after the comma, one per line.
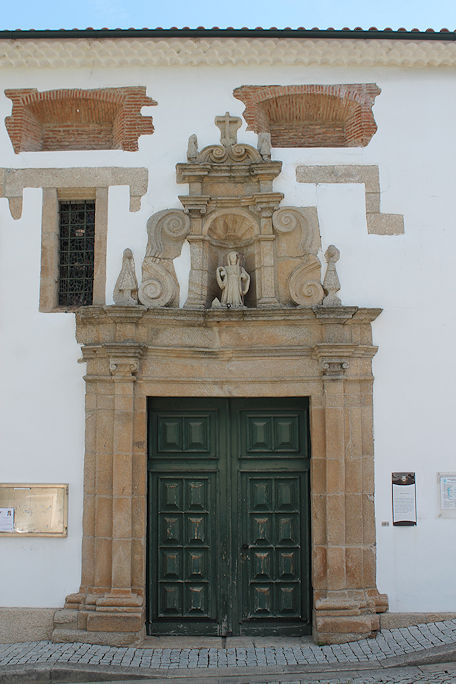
(218,154)
(166,231)
(159,287)
(304,286)
(287,219)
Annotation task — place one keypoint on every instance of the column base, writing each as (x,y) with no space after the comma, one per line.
(106,619)
(339,619)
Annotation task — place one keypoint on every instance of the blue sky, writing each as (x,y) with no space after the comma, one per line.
(252,13)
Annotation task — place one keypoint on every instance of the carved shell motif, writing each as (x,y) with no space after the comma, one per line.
(304,285)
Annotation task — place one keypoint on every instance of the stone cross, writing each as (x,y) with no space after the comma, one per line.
(228,128)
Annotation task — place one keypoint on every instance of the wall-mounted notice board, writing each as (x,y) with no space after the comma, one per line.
(404,498)
(33,510)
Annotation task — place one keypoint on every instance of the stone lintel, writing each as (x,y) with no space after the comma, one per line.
(13,182)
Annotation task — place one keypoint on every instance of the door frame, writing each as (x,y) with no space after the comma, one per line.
(321,352)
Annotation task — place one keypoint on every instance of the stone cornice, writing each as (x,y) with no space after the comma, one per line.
(170,316)
(136,52)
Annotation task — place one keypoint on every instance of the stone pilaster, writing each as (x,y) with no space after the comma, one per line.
(345,593)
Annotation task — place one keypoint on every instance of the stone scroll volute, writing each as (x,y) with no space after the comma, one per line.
(166,232)
(297,245)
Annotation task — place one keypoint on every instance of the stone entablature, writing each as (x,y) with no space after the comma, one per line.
(132,353)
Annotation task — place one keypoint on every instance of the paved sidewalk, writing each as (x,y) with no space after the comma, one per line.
(411,646)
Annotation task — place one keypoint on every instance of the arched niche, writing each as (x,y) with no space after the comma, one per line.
(227,230)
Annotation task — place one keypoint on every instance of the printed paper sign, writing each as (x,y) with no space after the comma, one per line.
(6,519)
(447,492)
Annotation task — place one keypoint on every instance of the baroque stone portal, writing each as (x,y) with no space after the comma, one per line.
(289,341)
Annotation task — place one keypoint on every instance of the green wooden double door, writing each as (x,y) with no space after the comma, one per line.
(228,520)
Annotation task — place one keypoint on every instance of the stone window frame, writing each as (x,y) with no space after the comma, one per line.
(50,231)
(71,184)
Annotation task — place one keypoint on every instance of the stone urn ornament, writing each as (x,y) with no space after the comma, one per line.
(234,282)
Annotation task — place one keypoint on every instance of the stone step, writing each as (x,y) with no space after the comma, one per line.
(66,635)
(66,618)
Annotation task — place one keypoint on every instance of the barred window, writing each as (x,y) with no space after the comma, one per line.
(76,252)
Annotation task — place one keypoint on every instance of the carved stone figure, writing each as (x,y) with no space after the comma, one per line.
(234,281)
(264,145)
(331,282)
(126,288)
(192,147)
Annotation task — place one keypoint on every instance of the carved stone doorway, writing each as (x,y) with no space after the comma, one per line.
(322,353)
(290,341)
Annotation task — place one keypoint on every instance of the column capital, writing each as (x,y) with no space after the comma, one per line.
(124,360)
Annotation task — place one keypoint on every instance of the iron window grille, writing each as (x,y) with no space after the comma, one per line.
(76,258)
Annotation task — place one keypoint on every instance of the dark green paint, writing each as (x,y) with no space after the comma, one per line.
(229,547)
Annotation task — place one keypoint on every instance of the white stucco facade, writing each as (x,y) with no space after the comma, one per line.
(409,276)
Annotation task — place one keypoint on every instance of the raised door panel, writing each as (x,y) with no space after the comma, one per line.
(271,547)
(186,545)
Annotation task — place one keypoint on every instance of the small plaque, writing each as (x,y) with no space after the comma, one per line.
(447,487)
(404,499)
(33,510)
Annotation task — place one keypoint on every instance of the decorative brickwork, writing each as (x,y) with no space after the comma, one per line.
(311,115)
(102,119)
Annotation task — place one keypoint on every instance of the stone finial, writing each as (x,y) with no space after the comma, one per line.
(192,147)
(331,283)
(264,145)
(229,126)
(126,288)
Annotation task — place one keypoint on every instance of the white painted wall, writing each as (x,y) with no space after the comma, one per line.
(409,276)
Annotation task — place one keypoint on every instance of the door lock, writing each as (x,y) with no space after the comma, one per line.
(244,547)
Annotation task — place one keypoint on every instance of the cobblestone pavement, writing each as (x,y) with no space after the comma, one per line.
(364,653)
(410,677)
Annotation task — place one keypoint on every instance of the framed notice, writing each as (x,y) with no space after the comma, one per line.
(404,499)
(33,510)
(447,492)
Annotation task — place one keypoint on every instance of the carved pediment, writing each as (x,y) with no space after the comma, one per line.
(231,209)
